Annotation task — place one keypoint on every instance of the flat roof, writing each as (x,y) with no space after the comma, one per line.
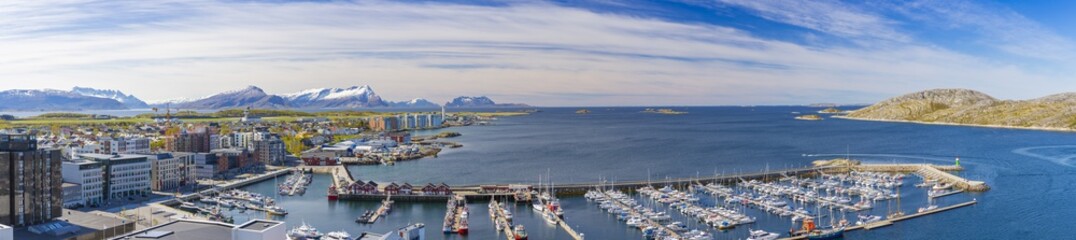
(85,222)
(111,156)
(258,225)
(185,229)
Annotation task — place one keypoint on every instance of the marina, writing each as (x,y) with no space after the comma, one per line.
(682,209)
(372,216)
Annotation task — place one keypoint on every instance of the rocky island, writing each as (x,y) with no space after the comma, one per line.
(809,117)
(973,108)
(663,111)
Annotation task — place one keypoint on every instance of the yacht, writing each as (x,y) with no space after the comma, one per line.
(303,232)
(337,235)
(276,210)
(866,219)
(763,235)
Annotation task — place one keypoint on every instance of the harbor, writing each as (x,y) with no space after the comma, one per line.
(773,193)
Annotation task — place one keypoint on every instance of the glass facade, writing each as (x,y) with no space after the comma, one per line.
(30,182)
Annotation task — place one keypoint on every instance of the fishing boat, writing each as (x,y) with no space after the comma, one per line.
(520,232)
(303,232)
(333,195)
(814,233)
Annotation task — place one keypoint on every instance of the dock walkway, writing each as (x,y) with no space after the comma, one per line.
(748,200)
(500,219)
(888,222)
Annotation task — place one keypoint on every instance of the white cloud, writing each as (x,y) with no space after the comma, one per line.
(999,27)
(826,16)
(533,53)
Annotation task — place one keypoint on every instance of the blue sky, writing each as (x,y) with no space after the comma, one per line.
(554,53)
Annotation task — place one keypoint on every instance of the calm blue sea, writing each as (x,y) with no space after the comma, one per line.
(1031,172)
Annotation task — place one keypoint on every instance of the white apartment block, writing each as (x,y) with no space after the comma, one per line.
(89,175)
(124,175)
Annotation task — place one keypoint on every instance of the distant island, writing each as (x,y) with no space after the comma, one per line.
(663,111)
(973,108)
(810,117)
(582,111)
(830,110)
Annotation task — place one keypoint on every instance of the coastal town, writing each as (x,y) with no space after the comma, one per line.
(109,172)
(161,176)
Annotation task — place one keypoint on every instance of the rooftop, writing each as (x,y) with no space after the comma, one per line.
(183,229)
(72,223)
(258,225)
(98,156)
(196,229)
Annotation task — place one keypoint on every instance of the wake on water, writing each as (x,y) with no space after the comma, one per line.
(1064,155)
(884,157)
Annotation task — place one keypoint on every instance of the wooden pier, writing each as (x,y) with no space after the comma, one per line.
(500,219)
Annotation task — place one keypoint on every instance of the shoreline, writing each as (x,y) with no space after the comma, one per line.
(1050,129)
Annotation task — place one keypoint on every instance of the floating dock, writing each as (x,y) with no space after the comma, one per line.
(888,222)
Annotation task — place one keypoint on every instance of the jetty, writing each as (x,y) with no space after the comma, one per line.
(501,220)
(384,209)
(888,222)
(940,172)
(476,192)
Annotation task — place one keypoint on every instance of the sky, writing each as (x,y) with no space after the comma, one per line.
(546,53)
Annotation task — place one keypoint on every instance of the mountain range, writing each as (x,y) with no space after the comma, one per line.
(969,107)
(81,98)
(478,102)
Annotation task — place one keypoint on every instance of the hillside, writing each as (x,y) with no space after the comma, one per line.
(968,107)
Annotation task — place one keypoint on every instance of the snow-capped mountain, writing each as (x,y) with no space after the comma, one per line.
(251,96)
(53,100)
(352,97)
(478,102)
(415,103)
(128,100)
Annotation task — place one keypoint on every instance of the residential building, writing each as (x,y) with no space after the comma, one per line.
(183,229)
(270,150)
(195,140)
(88,175)
(170,171)
(30,181)
(125,145)
(124,175)
(205,165)
(384,123)
(405,121)
(234,160)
